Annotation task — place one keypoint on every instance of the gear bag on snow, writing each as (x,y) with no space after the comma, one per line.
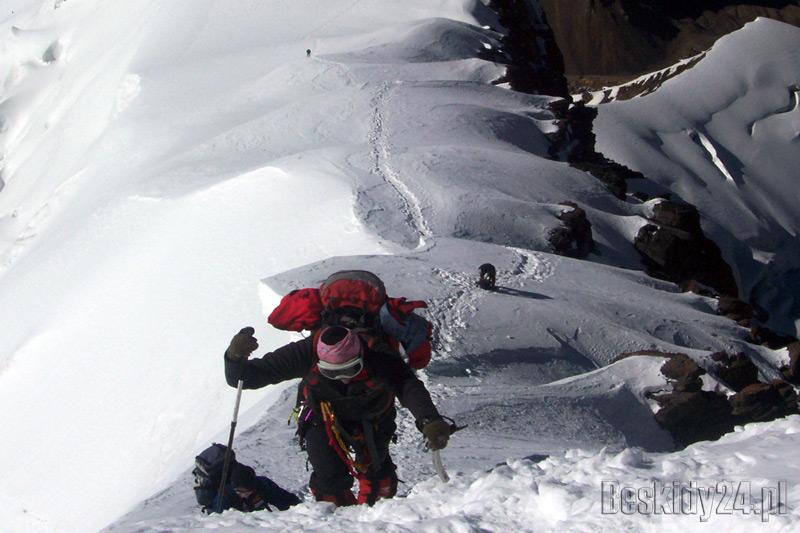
(356,299)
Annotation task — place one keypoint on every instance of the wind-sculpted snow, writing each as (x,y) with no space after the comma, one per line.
(573,491)
(596,311)
(723,136)
(427,41)
(159,158)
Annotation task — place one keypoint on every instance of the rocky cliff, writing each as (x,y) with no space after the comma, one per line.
(607,42)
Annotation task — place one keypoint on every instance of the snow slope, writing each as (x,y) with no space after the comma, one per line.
(130,250)
(561,493)
(525,368)
(724,136)
(159,159)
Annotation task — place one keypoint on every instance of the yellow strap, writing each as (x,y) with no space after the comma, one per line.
(329,417)
(294,416)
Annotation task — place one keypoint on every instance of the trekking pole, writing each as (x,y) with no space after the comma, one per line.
(227,463)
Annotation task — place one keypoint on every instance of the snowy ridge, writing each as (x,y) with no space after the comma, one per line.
(723,137)
(159,159)
(641,86)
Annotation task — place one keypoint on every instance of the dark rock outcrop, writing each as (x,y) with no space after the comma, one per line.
(734,308)
(679,216)
(612,174)
(535,66)
(736,371)
(674,248)
(760,334)
(761,402)
(684,373)
(688,412)
(574,237)
(535,63)
(691,414)
(694,416)
(746,315)
(578,141)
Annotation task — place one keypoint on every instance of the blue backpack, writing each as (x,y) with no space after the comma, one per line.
(207,475)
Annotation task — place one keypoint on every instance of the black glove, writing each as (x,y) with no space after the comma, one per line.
(437,433)
(242,345)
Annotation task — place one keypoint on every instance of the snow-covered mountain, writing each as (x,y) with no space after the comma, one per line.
(724,137)
(168,170)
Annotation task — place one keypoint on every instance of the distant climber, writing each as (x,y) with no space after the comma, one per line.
(255,493)
(487,276)
(308,52)
(350,378)
(244,491)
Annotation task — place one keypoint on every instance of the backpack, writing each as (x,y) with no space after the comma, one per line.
(208,474)
(356,299)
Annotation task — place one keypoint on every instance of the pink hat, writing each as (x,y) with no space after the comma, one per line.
(337,345)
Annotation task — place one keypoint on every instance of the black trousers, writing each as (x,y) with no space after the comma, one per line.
(330,473)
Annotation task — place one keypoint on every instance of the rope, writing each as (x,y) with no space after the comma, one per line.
(335,439)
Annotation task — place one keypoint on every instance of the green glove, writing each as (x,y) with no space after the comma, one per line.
(437,433)
(242,345)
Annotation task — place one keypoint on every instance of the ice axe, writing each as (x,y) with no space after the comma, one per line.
(436,455)
(226,465)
